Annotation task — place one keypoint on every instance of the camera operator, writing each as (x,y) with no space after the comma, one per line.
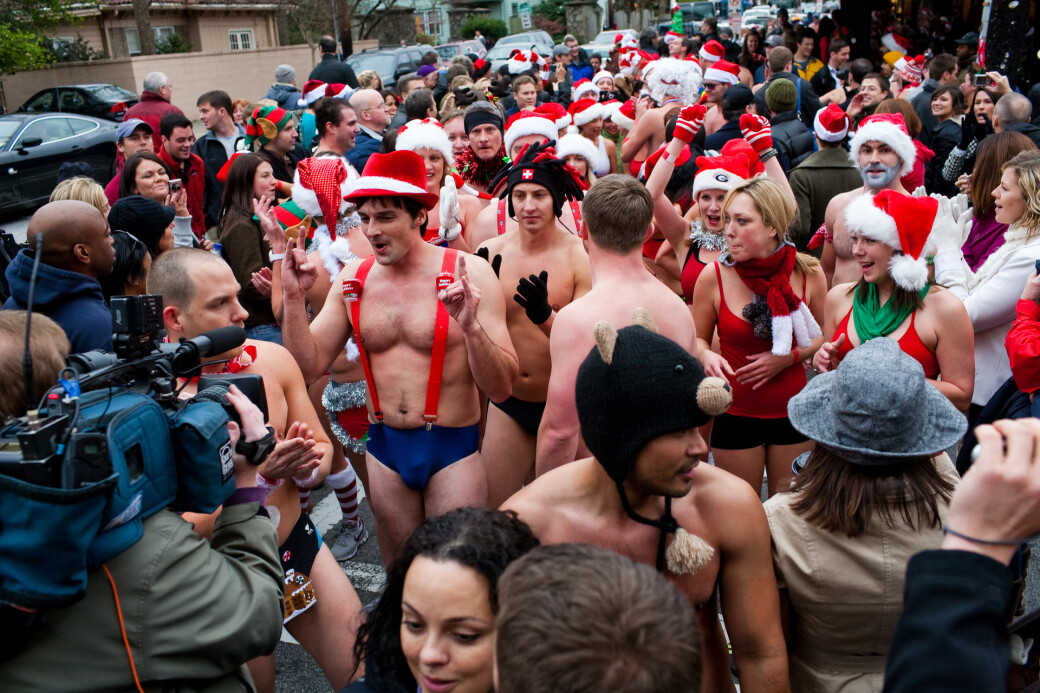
(173,611)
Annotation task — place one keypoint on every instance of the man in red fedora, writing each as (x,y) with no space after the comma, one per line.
(431,332)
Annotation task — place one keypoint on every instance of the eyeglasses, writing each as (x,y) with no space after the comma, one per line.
(372,108)
(708,86)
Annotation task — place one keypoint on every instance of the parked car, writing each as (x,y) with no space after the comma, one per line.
(604,41)
(107,101)
(535,36)
(33,146)
(447,51)
(389,62)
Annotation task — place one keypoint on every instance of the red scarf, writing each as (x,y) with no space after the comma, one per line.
(771,277)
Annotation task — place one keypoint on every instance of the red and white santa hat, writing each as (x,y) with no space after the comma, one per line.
(670,36)
(583,87)
(520,61)
(889,128)
(628,62)
(319,185)
(712,51)
(603,74)
(721,172)
(903,223)
(651,161)
(912,69)
(574,144)
(624,116)
(556,113)
(585,111)
(397,174)
(626,42)
(340,91)
(525,123)
(722,71)
(831,123)
(427,133)
(313,90)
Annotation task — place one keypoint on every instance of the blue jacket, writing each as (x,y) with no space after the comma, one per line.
(72,300)
(364,146)
(287,96)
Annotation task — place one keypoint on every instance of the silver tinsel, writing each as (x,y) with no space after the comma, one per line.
(339,397)
(706,240)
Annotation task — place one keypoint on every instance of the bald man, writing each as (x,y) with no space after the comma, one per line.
(76,251)
(373,118)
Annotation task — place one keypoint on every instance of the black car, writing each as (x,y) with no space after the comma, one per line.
(33,146)
(99,100)
(389,63)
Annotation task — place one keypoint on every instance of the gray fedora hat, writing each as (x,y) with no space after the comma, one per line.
(877,408)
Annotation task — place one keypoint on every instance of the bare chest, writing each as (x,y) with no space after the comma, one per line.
(399,316)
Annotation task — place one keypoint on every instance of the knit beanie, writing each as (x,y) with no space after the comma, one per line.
(264,125)
(285,74)
(634,386)
(540,164)
(143,218)
(781,95)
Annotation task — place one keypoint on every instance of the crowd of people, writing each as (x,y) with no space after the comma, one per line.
(563,322)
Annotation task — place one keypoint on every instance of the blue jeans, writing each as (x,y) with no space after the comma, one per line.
(265,333)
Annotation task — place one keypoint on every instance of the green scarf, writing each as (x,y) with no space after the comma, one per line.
(874,320)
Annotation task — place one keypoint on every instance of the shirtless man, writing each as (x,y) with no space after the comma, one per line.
(673,83)
(545,270)
(640,398)
(486,154)
(883,152)
(618,216)
(200,293)
(423,380)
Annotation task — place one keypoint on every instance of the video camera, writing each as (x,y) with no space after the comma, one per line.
(109,445)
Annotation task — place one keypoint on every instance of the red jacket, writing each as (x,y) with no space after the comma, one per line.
(151,108)
(1023,346)
(193,176)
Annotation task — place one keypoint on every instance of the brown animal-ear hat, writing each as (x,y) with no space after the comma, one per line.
(633,387)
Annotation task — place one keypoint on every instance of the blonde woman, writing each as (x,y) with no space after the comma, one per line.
(84,189)
(369,79)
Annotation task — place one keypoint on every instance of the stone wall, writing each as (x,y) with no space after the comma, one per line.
(584,19)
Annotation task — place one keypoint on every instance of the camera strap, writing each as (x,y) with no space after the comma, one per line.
(440,339)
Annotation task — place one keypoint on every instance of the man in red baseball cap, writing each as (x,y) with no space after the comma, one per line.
(431,332)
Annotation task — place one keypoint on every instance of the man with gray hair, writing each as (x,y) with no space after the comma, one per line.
(1012,113)
(154,104)
(373,119)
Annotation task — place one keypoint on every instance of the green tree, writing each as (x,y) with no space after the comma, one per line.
(23,44)
(491,29)
(553,10)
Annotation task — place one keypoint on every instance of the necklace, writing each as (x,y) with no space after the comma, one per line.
(706,239)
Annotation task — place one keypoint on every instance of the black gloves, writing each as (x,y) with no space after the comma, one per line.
(533,296)
(496,262)
(967,131)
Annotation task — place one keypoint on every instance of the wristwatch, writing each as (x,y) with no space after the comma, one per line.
(257,451)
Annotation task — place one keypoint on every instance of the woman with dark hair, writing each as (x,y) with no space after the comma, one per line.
(145,174)
(392,101)
(865,501)
(948,109)
(130,268)
(914,179)
(242,240)
(433,626)
(751,53)
(976,126)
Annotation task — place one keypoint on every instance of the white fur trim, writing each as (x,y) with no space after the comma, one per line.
(563,121)
(600,75)
(353,353)
(588,115)
(826,135)
(419,135)
(866,219)
(891,135)
(380,185)
(783,332)
(579,146)
(715,75)
(312,96)
(621,120)
(907,272)
(589,87)
(307,199)
(673,78)
(517,66)
(532,125)
(715,179)
(325,250)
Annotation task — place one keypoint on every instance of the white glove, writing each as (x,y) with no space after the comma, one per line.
(964,221)
(449,212)
(919,191)
(946,230)
(961,204)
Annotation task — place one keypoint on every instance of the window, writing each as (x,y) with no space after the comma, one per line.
(80,126)
(133,39)
(240,39)
(47,129)
(43,102)
(430,21)
(70,100)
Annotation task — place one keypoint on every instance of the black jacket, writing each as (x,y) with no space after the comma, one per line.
(792,139)
(922,103)
(214,156)
(952,635)
(944,136)
(810,101)
(331,71)
(1028,129)
(823,81)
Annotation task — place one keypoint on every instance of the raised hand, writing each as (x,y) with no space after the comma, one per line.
(462,298)
(496,262)
(264,211)
(757,131)
(691,119)
(449,211)
(298,272)
(532,294)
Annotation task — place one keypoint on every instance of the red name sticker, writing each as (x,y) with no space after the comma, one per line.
(444,280)
(351,289)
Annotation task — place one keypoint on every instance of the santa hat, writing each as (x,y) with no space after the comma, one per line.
(340,91)
(889,128)
(600,75)
(903,223)
(673,78)
(556,113)
(651,161)
(722,71)
(624,116)
(540,65)
(519,62)
(525,123)
(585,111)
(397,174)
(720,172)
(672,36)
(740,146)
(831,124)
(712,51)
(628,62)
(313,90)
(425,134)
(894,42)
(912,70)
(626,42)
(222,174)
(480,68)
(576,145)
(582,87)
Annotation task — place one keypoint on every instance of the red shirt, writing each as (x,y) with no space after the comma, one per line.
(1023,346)
(193,176)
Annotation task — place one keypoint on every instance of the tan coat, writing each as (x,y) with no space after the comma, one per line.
(844,595)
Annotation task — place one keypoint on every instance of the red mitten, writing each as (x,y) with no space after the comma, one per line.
(691,118)
(757,131)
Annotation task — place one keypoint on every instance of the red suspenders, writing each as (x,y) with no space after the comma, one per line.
(352,291)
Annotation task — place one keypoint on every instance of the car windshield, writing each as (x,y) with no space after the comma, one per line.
(501,52)
(605,37)
(520,38)
(110,93)
(8,128)
(447,52)
(702,10)
(382,63)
